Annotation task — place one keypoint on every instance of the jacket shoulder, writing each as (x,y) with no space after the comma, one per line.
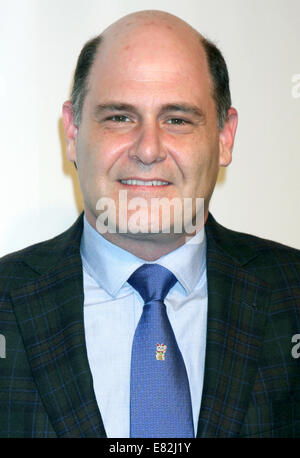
(242,241)
(261,245)
(271,261)
(266,247)
(34,259)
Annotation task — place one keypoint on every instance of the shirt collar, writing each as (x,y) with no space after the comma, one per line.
(111,266)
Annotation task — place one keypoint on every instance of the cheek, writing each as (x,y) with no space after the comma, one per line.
(197,152)
(93,153)
(200,167)
(107,146)
(208,154)
(199,162)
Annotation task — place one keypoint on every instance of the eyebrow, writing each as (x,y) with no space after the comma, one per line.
(114,106)
(185,108)
(175,107)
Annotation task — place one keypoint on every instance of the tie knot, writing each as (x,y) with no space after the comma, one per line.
(152,282)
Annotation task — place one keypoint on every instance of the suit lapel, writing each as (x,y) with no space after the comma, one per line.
(237,306)
(49,310)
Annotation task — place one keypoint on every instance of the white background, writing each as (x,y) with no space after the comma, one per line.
(39,44)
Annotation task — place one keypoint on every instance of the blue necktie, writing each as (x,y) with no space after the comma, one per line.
(160,400)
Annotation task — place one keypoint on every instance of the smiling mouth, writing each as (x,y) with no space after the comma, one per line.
(136,182)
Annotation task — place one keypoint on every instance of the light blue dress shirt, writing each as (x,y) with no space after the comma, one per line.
(112,309)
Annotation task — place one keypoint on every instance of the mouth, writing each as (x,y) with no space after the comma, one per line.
(138,182)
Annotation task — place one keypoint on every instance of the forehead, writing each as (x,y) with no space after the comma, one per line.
(152,57)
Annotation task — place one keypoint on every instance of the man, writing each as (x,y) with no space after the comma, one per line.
(150,117)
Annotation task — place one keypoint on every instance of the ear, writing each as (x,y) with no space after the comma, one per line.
(70,130)
(226,137)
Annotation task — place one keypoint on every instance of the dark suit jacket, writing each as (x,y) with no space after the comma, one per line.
(251,381)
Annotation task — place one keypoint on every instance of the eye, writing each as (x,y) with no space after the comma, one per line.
(119,118)
(177,121)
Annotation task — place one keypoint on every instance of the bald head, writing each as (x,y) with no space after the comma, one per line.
(152,38)
(149,20)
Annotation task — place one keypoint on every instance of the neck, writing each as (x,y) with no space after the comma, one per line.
(149,247)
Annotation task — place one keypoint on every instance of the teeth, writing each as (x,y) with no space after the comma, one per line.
(145,183)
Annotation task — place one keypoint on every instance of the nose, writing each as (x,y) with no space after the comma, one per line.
(148,147)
